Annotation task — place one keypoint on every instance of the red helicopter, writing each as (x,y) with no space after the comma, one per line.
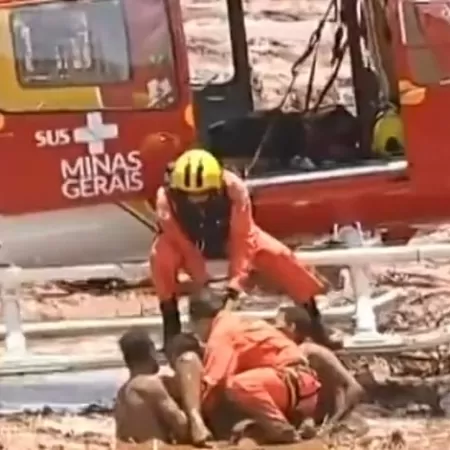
(93,110)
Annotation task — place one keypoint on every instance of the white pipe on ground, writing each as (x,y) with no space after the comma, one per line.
(73,328)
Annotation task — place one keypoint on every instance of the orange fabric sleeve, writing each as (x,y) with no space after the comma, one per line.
(193,260)
(242,239)
(220,361)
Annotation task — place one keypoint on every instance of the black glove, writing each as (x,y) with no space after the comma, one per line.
(171,320)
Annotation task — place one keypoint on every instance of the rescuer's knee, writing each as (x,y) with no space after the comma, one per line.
(163,255)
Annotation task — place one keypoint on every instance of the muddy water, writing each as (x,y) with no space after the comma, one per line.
(64,391)
(72,391)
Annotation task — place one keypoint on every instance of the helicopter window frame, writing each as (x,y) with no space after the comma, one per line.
(61,82)
(169,73)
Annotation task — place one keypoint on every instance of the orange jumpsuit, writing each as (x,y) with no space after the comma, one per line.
(254,363)
(248,247)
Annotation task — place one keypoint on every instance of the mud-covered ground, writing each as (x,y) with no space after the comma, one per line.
(277,30)
(95,432)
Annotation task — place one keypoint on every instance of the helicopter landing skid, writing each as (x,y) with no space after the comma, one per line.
(377,343)
(360,283)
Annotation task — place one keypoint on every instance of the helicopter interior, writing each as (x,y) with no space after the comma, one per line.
(310,144)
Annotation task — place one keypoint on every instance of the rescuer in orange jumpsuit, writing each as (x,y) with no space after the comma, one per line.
(205,213)
(257,367)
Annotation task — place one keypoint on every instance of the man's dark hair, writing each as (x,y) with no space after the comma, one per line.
(205,304)
(300,317)
(137,347)
(183,343)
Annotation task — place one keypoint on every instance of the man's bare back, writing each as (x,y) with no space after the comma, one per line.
(144,409)
(137,419)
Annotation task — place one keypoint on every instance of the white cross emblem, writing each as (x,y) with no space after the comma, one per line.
(95,133)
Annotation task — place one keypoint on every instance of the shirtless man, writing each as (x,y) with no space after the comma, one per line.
(144,409)
(340,392)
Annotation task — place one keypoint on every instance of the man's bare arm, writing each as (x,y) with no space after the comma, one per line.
(167,409)
(348,391)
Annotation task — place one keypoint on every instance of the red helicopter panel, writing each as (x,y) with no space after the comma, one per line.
(94,101)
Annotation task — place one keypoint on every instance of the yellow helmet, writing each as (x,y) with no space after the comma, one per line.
(196,172)
(388,130)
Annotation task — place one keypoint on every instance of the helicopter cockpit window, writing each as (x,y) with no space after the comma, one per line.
(88,54)
(83,43)
(425,30)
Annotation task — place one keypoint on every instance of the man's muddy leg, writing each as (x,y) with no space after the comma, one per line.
(188,369)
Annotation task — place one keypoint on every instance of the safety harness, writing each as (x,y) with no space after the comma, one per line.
(207,226)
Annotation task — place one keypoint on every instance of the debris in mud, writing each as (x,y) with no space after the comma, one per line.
(96,432)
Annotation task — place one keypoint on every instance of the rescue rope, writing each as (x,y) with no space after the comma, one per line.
(312,46)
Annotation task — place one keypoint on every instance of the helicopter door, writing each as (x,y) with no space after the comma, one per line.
(215,101)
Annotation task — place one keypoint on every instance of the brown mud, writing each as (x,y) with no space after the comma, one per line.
(95,432)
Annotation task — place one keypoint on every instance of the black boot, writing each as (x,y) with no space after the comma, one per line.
(171,320)
(320,334)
